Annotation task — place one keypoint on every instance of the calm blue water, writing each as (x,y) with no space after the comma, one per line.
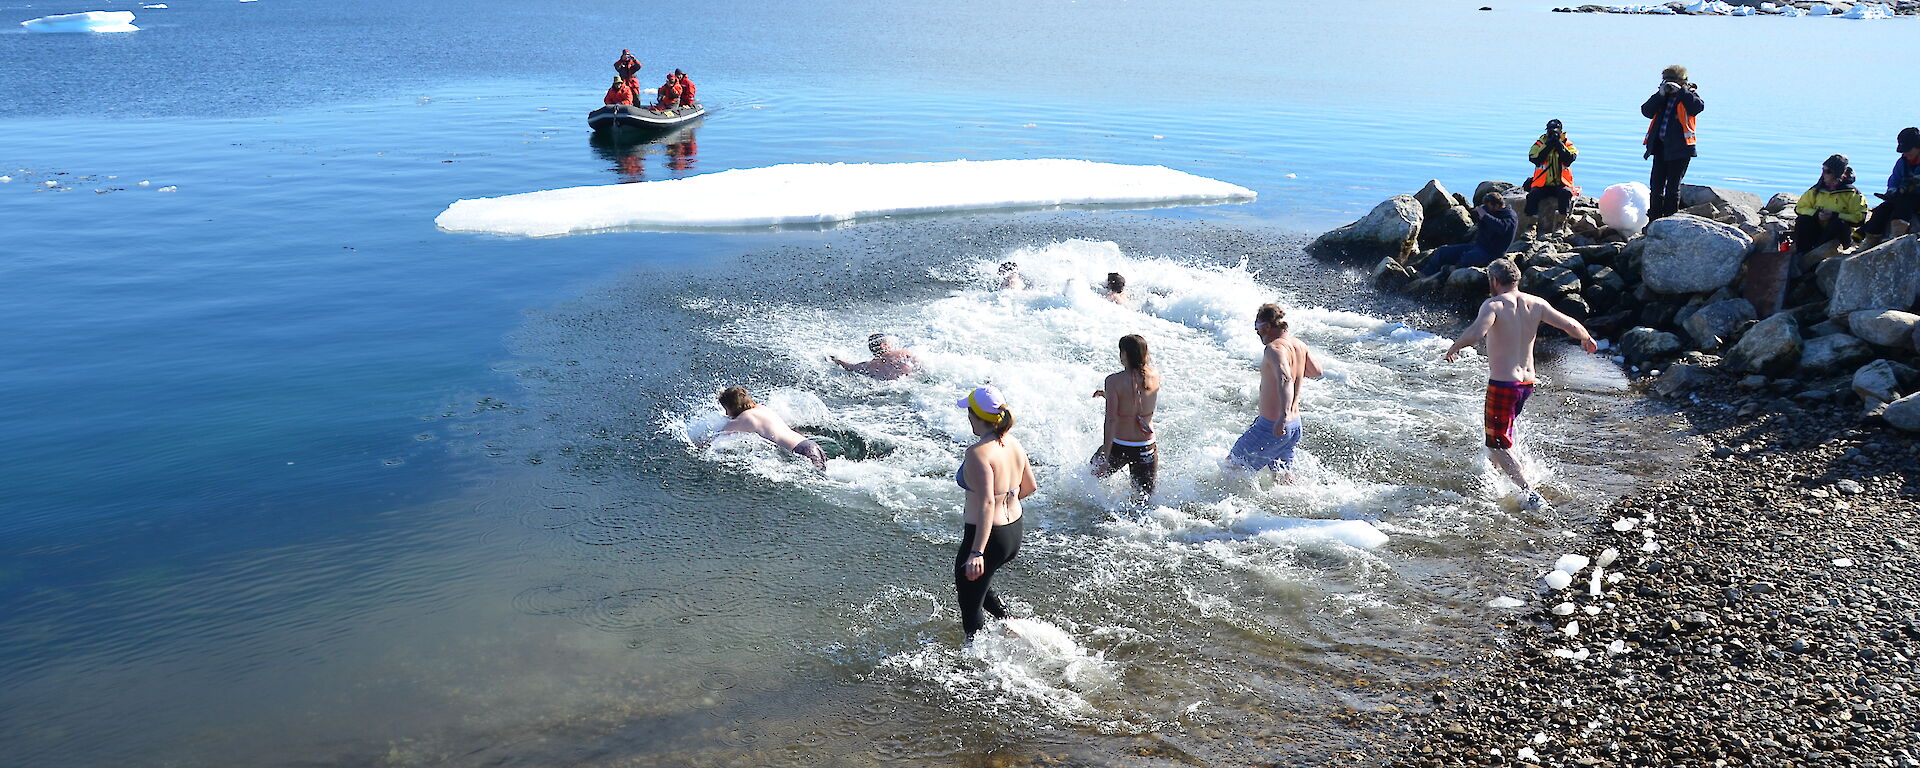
(275,480)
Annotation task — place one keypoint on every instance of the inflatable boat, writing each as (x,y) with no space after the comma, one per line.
(622,117)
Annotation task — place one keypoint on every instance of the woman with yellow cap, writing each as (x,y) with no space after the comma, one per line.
(996,476)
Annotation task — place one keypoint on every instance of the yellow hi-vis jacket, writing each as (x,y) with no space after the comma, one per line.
(1548,170)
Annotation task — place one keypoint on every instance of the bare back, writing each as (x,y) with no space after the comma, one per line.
(1516,319)
(1285,364)
(1131,399)
(998,477)
(761,420)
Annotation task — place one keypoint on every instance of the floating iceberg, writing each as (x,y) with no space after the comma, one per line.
(1820,9)
(815,194)
(88,21)
(1868,11)
(155,5)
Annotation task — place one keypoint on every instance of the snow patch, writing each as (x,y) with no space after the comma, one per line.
(86,21)
(822,193)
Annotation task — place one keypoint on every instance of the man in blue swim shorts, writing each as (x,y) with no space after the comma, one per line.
(1284,364)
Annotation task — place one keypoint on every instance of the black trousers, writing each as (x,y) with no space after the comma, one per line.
(1562,196)
(1896,207)
(1002,547)
(1665,182)
(1141,461)
(1809,232)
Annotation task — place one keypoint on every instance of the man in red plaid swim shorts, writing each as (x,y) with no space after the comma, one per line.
(1509,321)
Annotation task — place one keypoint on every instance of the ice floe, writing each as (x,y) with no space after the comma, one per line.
(1570,563)
(86,21)
(818,194)
(156,6)
(1558,579)
(1868,11)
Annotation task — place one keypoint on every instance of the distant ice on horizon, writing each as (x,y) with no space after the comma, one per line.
(85,21)
(826,193)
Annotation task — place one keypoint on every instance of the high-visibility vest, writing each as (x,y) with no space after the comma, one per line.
(1686,123)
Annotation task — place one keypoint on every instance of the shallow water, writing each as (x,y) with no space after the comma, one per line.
(292,477)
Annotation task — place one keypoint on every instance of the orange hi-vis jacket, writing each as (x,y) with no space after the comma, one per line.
(1549,169)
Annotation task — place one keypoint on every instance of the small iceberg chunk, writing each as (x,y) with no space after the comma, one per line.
(1505,602)
(1563,609)
(86,21)
(156,6)
(1868,11)
(1571,563)
(1607,556)
(817,194)
(1558,580)
(1625,524)
(1820,9)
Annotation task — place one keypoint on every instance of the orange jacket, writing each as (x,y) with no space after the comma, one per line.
(627,65)
(686,91)
(669,95)
(619,94)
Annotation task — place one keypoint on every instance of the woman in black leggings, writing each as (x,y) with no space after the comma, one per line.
(996,476)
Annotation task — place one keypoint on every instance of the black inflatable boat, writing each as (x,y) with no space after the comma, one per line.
(621,117)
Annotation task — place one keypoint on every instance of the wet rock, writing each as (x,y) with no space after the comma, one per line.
(1391,275)
(1689,254)
(1825,328)
(1572,305)
(1771,347)
(1889,328)
(1680,379)
(1467,281)
(1391,229)
(1644,344)
(1904,413)
(1549,281)
(1886,276)
(1716,323)
(1883,381)
(1830,354)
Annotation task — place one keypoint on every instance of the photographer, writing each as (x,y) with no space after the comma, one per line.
(1551,180)
(1671,112)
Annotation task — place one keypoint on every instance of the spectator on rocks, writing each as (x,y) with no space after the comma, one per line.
(1830,209)
(1490,241)
(1552,180)
(1902,198)
(1671,112)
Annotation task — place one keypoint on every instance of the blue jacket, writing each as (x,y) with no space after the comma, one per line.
(1905,179)
(1496,231)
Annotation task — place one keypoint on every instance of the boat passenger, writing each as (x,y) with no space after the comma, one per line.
(669,94)
(1552,180)
(1903,189)
(1830,209)
(686,89)
(618,93)
(627,65)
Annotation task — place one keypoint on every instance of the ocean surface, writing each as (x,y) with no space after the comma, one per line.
(292,478)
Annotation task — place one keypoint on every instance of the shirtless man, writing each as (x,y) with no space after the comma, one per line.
(1284,364)
(1010,279)
(748,417)
(889,360)
(1508,321)
(1117,288)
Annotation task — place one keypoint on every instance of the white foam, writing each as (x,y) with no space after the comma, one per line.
(87,21)
(820,193)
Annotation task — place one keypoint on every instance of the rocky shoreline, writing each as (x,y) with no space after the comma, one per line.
(1791,8)
(1757,607)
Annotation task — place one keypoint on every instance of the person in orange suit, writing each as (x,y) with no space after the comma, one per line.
(619,93)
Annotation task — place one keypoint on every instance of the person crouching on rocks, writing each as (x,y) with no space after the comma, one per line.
(1671,112)
(1496,226)
(1903,190)
(1552,180)
(618,93)
(1830,209)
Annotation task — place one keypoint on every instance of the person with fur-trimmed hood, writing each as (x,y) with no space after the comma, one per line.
(1670,113)
(1830,209)
(1552,180)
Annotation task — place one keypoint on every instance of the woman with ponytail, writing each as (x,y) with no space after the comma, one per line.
(996,476)
(1131,396)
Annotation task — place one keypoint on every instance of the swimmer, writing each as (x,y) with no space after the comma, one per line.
(889,361)
(1127,441)
(1117,288)
(996,476)
(1010,277)
(748,417)
(1285,363)
(1509,321)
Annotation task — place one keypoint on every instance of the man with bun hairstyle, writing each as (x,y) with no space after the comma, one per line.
(1670,114)
(748,417)
(1285,364)
(1509,321)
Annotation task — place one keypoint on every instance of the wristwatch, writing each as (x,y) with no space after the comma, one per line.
(977,553)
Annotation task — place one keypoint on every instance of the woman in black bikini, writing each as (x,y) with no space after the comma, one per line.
(1131,395)
(996,476)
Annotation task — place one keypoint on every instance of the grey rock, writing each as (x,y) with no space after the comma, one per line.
(1890,328)
(1886,276)
(1826,328)
(1391,275)
(1468,281)
(1689,254)
(1826,274)
(1692,195)
(1830,354)
(1771,347)
(1780,202)
(1877,382)
(1904,413)
(1390,229)
(1643,344)
(1716,323)
(1754,382)
(1549,281)
(1680,379)
(1480,191)
(1443,220)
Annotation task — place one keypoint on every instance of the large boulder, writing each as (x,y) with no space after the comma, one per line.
(1887,327)
(1689,254)
(1780,202)
(1391,275)
(1886,276)
(1771,347)
(1549,281)
(1692,195)
(1904,413)
(1443,220)
(1882,381)
(1468,281)
(1480,192)
(1643,344)
(1833,353)
(1716,323)
(1390,229)
(1681,378)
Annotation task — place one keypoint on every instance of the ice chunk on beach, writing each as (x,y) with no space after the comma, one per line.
(1570,563)
(1868,11)
(825,193)
(1607,556)
(1505,602)
(1625,524)
(1624,207)
(1572,629)
(1558,579)
(86,21)
(1593,585)
(1563,609)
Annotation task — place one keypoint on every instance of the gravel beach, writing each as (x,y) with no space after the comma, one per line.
(1761,612)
